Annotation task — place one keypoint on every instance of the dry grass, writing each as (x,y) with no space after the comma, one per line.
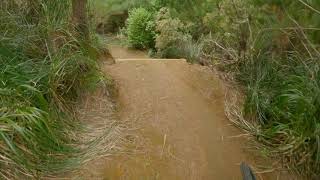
(234,102)
(101,136)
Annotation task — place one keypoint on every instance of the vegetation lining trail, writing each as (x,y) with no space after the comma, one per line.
(184,132)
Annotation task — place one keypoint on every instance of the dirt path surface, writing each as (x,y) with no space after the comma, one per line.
(120,52)
(181,129)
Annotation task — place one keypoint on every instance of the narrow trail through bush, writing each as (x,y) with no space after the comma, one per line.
(180,129)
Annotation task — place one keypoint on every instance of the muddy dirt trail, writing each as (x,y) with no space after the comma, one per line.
(182,131)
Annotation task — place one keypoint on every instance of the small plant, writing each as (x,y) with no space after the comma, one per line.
(140,29)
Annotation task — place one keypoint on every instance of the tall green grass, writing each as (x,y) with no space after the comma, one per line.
(283,94)
(43,68)
(281,75)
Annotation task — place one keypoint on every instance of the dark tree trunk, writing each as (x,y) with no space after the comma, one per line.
(79,17)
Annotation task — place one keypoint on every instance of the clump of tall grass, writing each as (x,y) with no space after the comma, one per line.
(283,95)
(43,68)
(275,57)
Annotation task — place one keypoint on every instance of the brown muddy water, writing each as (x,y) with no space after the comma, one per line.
(178,125)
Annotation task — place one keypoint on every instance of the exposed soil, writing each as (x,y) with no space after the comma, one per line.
(119,52)
(182,131)
(176,128)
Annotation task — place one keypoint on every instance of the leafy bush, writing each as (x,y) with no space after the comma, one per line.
(171,39)
(140,29)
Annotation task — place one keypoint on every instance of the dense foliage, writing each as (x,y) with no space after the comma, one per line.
(140,29)
(43,67)
(171,35)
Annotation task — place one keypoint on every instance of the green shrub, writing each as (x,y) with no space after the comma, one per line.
(140,29)
(171,39)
